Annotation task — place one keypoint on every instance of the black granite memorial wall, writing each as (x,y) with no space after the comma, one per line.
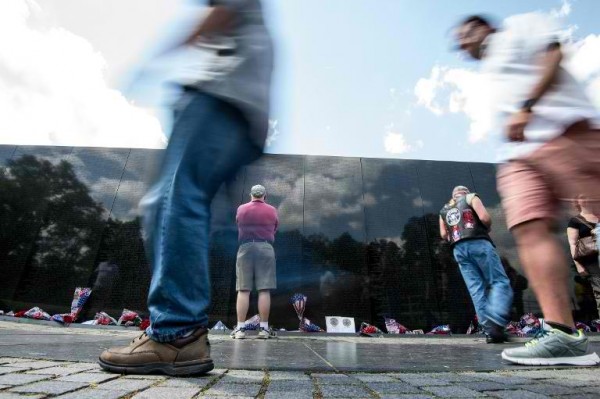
(358,236)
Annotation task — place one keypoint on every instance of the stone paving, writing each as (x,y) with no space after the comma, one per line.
(43,360)
(31,378)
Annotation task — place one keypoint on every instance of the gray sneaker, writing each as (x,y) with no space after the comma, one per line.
(238,333)
(266,334)
(553,347)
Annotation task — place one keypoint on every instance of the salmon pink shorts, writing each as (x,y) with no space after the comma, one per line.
(558,172)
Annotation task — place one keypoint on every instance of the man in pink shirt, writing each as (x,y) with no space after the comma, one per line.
(257,223)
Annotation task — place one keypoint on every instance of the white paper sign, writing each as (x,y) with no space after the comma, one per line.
(340,324)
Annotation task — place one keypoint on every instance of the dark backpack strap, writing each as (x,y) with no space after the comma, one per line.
(585,222)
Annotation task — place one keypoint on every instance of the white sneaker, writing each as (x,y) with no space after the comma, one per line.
(266,334)
(238,333)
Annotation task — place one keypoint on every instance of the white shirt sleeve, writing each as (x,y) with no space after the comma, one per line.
(532,34)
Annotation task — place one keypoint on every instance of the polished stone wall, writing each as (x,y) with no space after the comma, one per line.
(358,236)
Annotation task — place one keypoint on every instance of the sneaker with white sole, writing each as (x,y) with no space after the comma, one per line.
(238,333)
(553,347)
(266,333)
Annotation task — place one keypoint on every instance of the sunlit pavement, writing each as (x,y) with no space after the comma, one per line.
(40,360)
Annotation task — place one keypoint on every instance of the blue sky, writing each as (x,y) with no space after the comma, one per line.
(347,70)
(353,77)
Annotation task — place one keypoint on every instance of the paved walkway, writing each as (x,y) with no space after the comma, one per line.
(43,361)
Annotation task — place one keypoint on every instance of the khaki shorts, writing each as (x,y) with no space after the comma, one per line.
(535,187)
(255,264)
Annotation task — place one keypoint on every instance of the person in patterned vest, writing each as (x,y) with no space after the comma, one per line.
(465,224)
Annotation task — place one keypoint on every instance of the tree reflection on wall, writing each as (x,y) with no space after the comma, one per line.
(49,228)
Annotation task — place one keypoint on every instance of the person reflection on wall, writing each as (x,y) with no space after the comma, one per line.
(221,125)
(327,284)
(105,275)
(255,265)
(518,284)
(465,223)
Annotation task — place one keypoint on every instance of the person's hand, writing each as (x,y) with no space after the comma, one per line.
(515,128)
(582,272)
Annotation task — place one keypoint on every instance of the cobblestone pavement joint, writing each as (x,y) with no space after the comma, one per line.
(40,379)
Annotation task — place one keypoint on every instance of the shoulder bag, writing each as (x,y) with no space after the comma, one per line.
(586,247)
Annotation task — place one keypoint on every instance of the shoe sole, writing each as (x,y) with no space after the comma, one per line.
(264,337)
(178,369)
(586,360)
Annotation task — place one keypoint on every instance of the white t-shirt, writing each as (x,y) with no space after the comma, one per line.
(512,64)
(236,66)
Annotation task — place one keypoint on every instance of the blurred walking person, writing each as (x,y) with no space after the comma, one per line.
(220,125)
(551,152)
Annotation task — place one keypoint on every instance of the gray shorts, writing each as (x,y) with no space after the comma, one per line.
(255,264)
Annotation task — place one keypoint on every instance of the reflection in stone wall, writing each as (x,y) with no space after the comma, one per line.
(358,236)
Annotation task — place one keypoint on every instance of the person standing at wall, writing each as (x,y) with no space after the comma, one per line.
(465,223)
(220,125)
(255,266)
(550,146)
(582,227)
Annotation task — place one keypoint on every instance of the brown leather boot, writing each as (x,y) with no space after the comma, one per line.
(184,356)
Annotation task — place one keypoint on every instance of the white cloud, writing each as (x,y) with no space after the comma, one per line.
(463,91)
(426,91)
(273,133)
(564,10)
(395,143)
(53,90)
(457,90)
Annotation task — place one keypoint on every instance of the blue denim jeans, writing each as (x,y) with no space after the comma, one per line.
(486,281)
(209,143)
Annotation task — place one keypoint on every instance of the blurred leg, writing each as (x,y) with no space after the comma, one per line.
(208,144)
(546,268)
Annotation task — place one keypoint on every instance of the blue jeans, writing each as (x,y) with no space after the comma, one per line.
(486,281)
(209,143)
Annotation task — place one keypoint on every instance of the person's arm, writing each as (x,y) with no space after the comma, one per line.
(573,235)
(550,67)
(481,212)
(237,215)
(443,231)
(218,19)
